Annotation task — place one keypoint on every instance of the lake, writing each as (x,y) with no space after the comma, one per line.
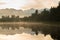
(27,31)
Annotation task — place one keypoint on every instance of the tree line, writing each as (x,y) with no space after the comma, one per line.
(53,14)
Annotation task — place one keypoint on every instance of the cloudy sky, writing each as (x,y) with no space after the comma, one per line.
(26,4)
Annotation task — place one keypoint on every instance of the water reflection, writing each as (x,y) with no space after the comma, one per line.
(21,33)
(25,36)
(32,29)
(18,31)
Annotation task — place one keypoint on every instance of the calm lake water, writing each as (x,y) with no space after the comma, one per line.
(24,31)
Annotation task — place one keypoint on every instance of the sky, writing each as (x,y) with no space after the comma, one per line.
(27,4)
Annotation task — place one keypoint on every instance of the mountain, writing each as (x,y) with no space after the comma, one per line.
(9,12)
(21,13)
(31,11)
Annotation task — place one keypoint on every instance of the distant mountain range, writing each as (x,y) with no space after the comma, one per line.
(21,13)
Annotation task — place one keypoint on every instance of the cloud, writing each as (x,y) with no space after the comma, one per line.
(32,6)
(27,4)
(16,4)
(40,4)
(2,3)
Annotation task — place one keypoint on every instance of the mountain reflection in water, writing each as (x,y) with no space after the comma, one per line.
(25,36)
(23,32)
